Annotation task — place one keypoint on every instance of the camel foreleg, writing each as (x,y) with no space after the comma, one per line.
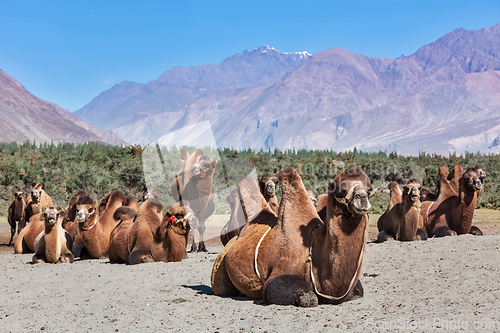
(288,290)
(12,229)
(421,234)
(475,231)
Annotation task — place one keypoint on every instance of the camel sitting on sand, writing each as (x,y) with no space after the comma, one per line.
(16,214)
(37,202)
(295,259)
(452,212)
(25,241)
(54,244)
(193,185)
(94,228)
(145,237)
(402,221)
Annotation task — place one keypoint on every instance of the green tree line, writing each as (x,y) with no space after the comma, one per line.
(98,169)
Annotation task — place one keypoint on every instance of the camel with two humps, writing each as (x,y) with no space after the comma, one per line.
(54,244)
(295,258)
(146,237)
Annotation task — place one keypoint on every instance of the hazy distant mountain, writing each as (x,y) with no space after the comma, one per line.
(445,97)
(129,102)
(26,117)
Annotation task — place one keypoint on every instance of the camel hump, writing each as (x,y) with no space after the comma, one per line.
(443,172)
(289,175)
(39,186)
(85,200)
(184,154)
(124,213)
(394,187)
(117,195)
(152,204)
(250,197)
(445,189)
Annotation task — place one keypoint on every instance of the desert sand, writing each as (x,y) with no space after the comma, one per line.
(445,284)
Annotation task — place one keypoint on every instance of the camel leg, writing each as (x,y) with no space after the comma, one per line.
(221,283)
(201,232)
(12,230)
(139,256)
(421,234)
(38,258)
(357,291)
(21,225)
(288,290)
(444,231)
(383,236)
(67,258)
(475,231)
(194,248)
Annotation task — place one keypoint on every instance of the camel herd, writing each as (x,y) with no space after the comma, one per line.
(301,251)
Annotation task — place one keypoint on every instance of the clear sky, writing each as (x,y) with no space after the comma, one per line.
(68,52)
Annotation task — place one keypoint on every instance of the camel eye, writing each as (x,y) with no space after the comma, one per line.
(91,210)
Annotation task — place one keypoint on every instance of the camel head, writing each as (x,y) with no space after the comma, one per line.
(181,216)
(311,195)
(267,184)
(411,191)
(480,172)
(85,209)
(36,192)
(18,195)
(52,214)
(204,168)
(472,180)
(147,195)
(351,189)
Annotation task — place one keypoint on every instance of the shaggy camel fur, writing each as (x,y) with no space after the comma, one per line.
(402,221)
(452,212)
(54,244)
(15,214)
(267,185)
(295,259)
(37,202)
(193,185)
(145,237)
(25,241)
(94,228)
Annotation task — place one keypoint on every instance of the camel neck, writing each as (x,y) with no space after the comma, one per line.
(52,240)
(467,205)
(410,215)
(92,236)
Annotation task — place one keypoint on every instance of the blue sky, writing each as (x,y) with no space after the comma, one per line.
(68,52)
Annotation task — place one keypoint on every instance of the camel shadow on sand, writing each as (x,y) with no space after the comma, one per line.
(207,290)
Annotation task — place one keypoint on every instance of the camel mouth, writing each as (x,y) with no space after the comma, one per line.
(414,198)
(477,187)
(51,220)
(361,209)
(81,219)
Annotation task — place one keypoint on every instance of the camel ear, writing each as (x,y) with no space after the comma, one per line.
(33,184)
(259,179)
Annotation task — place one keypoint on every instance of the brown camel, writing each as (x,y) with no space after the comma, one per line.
(482,176)
(25,241)
(37,202)
(145,237)
(193,186)
(16,214)
(452,212)
(54,244)
(267,185)
(295,259)
(402,221)
(94,228)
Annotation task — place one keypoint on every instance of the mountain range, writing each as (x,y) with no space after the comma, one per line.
(25,117)
(443,98)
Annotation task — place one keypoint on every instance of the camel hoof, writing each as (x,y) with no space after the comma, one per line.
(308,300)
(194,249)
(475,231)
(421,234)
(202,248)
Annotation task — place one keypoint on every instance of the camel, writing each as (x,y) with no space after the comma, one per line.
(38,201)
(15,214)
(54,244)
(94,228)
(295,259)
(267,185)
(452,212)
(237,219)
(25,241)
(146,237)
(402,221)
(482,176)
(193,186)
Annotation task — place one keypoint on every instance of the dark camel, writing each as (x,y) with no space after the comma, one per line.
(295,259)
(452,212)
(16,214)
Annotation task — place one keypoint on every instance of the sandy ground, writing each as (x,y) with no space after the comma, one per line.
(440,285)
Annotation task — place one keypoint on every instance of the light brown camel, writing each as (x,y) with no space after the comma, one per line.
(402,220)
(54,244)
(37,202)
(25,241)
(193,186)
(145,237)
(15,214)
(452,212)
(94,228)
(295,259)
(267,185)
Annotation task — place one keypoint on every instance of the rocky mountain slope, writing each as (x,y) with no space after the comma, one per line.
(26,117)
(443,98)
